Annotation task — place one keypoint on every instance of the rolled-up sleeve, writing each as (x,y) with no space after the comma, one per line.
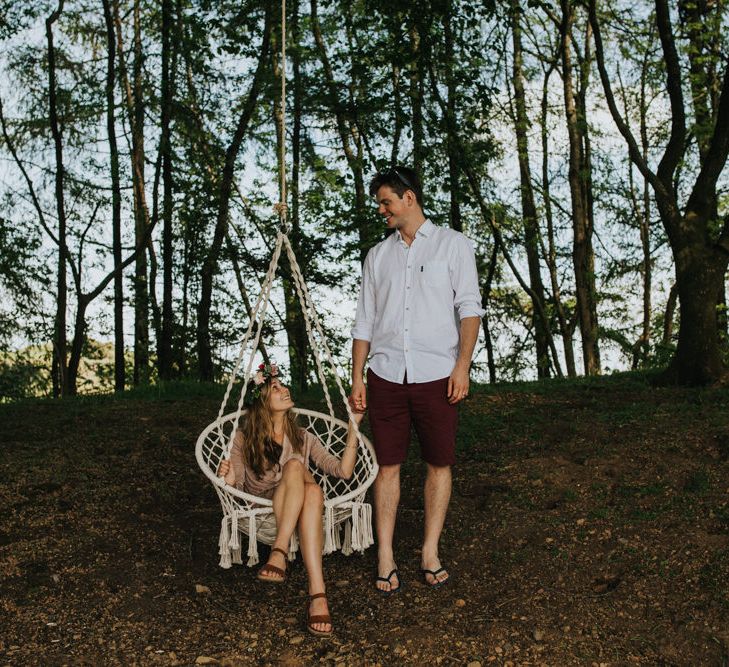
(364,322)
(464,277)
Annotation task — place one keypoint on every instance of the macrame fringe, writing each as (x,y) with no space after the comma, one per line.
(293,545)
(330,532)
(234,537)
(361,526)
(252,541)
(347,544)
(224,544)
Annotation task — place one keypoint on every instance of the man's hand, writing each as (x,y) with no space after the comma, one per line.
(458,384)
(358,397)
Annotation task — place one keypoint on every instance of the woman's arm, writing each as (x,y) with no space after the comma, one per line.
(331,464)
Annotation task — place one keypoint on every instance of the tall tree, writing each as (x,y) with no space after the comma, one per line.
(164,344)
(699,239)
(581,195)
(528,205)
(58,371)
(349,134)
(119,370)
(141,216)
(566,323)
(210,263)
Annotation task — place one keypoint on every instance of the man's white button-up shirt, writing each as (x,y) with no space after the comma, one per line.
(412,300)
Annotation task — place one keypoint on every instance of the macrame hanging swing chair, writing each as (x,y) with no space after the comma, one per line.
(345,509)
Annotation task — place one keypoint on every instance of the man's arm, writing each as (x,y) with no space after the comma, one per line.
(459,381)
(358,397)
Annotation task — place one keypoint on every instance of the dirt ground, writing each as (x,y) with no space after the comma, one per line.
(589,525)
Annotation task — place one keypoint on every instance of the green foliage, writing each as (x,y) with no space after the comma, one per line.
(426,83)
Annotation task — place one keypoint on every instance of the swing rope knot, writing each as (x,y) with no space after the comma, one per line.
(281,209)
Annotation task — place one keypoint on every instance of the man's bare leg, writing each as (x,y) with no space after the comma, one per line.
(387,499)
(437,497)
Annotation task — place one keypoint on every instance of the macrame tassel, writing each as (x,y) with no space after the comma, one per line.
(234,537)
(337,537)
(356,523)
(361,526)
(234,543)
(293,546)
(368,538)
(329,531)
(252,541)
(237,558)
(223,544)
(347,546)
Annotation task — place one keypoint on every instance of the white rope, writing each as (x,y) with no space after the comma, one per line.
(310,315)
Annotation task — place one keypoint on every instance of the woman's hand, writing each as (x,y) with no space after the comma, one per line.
(224,468)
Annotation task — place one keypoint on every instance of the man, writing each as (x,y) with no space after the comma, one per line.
(417,319)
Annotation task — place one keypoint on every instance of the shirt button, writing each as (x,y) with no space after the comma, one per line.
(407,308)
(408,286)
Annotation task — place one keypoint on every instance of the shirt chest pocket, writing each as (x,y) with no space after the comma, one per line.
(435,274)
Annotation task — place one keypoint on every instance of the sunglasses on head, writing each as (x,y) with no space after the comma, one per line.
(399,176)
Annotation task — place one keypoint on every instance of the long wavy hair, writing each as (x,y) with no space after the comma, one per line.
(260,450)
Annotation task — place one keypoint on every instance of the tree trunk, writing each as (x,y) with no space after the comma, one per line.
(119,370)
(164,344)
(454,169)
(416,94)
(700,253)
(58,369)
(566,325)
(348,134)
(529,209)
(397,113)
(141,291)
(668,316)
(699,278)
(210,263)
(485,302)
(582,253)
(77,344)
(132,92)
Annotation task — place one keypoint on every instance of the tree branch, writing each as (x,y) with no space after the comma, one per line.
(665,195)
(677,141)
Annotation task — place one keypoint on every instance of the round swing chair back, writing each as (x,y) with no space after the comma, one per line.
(347,519)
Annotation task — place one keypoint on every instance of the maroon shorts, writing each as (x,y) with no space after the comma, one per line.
(392,409)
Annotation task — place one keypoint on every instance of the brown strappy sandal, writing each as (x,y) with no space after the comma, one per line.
(272,569)
(317,618)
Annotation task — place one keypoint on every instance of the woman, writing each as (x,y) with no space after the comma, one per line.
(269,458)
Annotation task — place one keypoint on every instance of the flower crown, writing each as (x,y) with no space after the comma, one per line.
(264,373)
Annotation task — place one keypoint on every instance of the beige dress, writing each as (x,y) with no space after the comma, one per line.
(263,487)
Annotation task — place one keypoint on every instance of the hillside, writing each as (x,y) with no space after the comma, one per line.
(589,525)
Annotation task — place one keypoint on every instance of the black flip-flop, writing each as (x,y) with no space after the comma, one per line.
(386,579)
(434,574)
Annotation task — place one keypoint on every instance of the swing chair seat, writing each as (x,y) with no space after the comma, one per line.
(344,507)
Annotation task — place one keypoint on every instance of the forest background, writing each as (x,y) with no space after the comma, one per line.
(580,145)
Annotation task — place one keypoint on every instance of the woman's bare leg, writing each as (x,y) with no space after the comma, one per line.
(311,538)
(288,500)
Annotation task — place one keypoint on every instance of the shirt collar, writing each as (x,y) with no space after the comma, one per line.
(426,229)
